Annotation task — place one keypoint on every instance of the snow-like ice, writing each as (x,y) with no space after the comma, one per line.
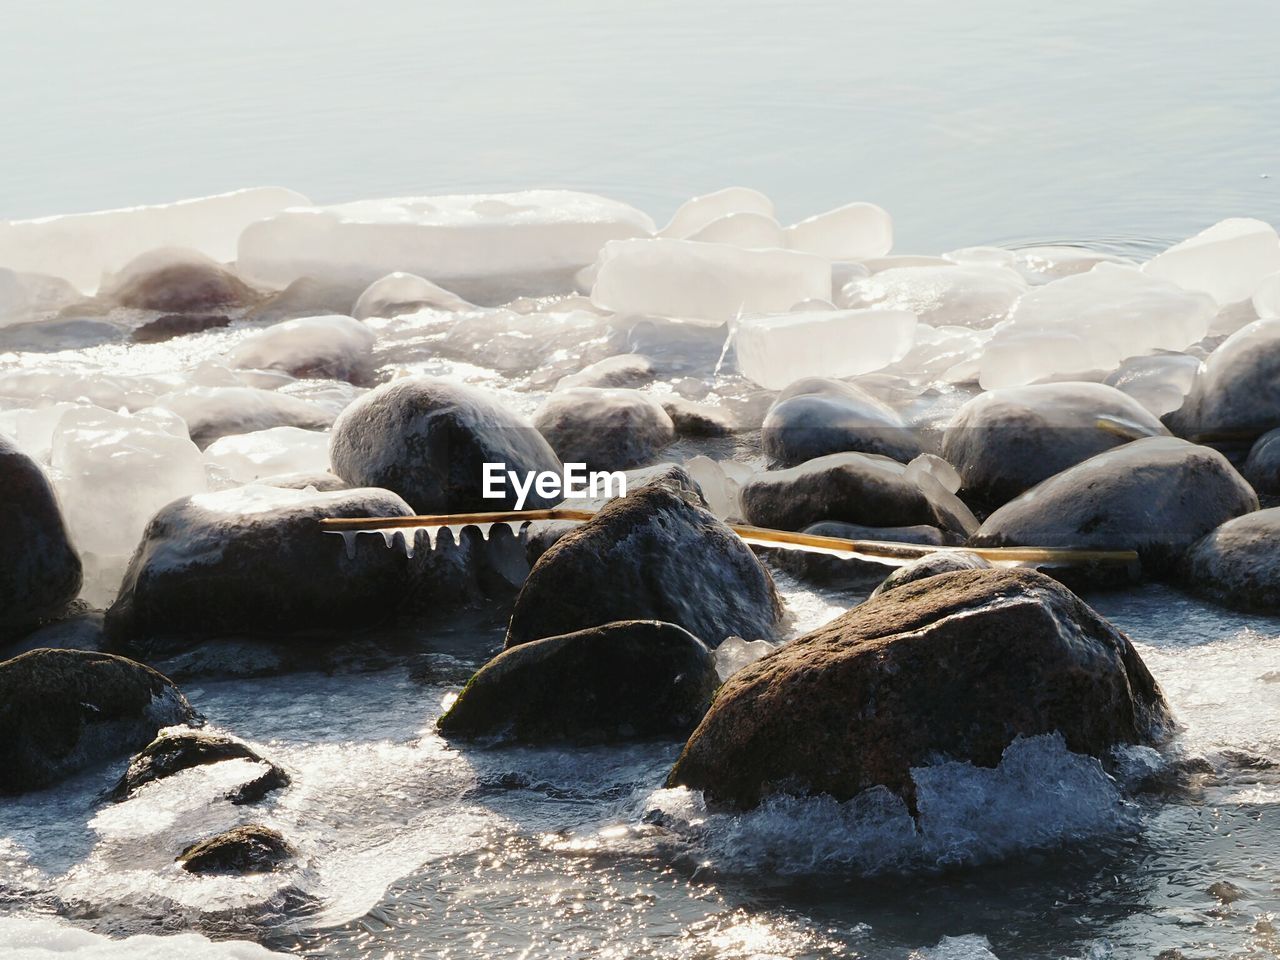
(708,282)
(398,293)
(852,232)
(268,453)
(1227,261)
(81,247)
(333,346)
(777,350)
(969,295)
(693,215)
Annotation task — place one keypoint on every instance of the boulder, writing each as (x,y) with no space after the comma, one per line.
(1006,441)
(1238,564)
(635,678)
(64,710)
(308,297)
(956,666)
(655,554)
(606,429)
(1236,392)
(1157,496)
(176,280)
(40,571)
(330,347)
(698,420)
(814,417)
(829,569)
(428,441)
(1262,468)
(620,370)
(178,325)
(247,849)
(214,412)
(936,564)
(174,752)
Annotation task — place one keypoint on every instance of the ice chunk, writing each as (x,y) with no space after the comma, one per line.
(1160,383)
(947,354)
(755,231)
(1045,263)
(735,653)
(697,213)
(25,297)
(852,232)
(398,293)
(708,282)
(266,453)
(502,235)
(83,246)
(334,347)
(30,386)
(957,296)
(1226,261)
(213,412)
(720,481)
(1266,299)
(1091,322)
(40,937)
(779,349)
(894,261)
(986,256)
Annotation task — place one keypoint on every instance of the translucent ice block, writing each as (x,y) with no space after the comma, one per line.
(852,232)
(778,350)
(1226,261)
(693,215)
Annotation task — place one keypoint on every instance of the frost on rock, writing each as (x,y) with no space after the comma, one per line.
(1227,261)
(1091,322)
(504,236)
(268,453)
(398,293)
(707,282)
(333,347)
(700,212)
(776,350)
(81,247)
(855,231)
(959,296)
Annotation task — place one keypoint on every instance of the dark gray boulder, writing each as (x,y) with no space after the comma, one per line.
(64,710)
(636,678)
(248,849)
(1262,468)
(814,417)
(174,752)
(1238,564)
(698,420)
(947,561)
(1235,396)
(607,429)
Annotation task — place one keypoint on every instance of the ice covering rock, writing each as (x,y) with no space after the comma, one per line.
(1227,261)
(398,293)
(532,233)
(964,296)
(698,213)
(332,347)
(268,453)
(607,429)
(709,282)
(82,247)
(778,349)
(1160,383)
(1090,322)
(213,412)
(175,280)
(25,297)
(620,370)
(813,417)
(852,232)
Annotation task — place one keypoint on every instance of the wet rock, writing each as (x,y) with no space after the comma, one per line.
(933,565)
(1006,441)
(656,554)
(821,568)
(178,325)
(620,370)
(1262,468)
(330,347)
(1157,496)
(248,849)
(176,280)
(855,488)
(697,419)
(636,678)
(400,293)
(955,666)
(64,710)
(605,429)
(428,440)
(1236,393)
(1238,564)
(40,571)
(308,297)
(77,628)
(172,753)
(815,417)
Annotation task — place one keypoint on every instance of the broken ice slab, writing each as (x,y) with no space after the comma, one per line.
(1266,299)
(855,231)
(755,231)
(970,295)
(696,214)
(81,247)
(1227,261)
(532,237)
(775,351)
(707,282)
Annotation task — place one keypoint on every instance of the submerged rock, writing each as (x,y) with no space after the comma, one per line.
(64,710)
(956,666)
(933,565)
(635,678)
(620,370)
(1006,441)
(604,428)
(1157,496)
(1262,468)
(330,347)
(40,571)
(172,753)
(1238,564)
(175,280)
(656,554)
(815,417)
(1236,392)
(247,849)
(428,441)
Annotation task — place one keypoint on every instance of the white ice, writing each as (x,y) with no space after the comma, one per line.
(1227,261)
(242,409)
(776,350)
(266,453)
(334,346)
(698,213)
(81,247)
(1160,383)
(1266,299)
(971,295)
(404,293)
(852,232)
(720,481)
(735,653)
(754,231)
(1053,262)
(51,938)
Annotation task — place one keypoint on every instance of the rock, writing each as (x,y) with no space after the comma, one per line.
(172,753)
(214,412)
(635,678)
(826,569)
(331,347)
(428,440)
(605,429)
(175,280)
(1262,468)
(697,419)
(856,488)
(1157,496)
(933,565)
(1006,441)
(64,710)
(308,297)
(655,554)
(1238,564)
(955,667)
(399,293)
(620,370)
(814,417)
(177,325)
(40,571)
(1236,393)
(248,849)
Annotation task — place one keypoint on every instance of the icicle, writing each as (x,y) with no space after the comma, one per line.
(348,541)
(411,541)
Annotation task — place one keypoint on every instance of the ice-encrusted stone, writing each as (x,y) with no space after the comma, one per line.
(267,453)
(476,236)
(976,296)
(332,347)
(83,246)
(695,214)
(175,280)
(398,293)
(1227,261)
(751,230)
(709,282)
(25,297)
(852,232)
(213,412)
(1091,322)
(779,349)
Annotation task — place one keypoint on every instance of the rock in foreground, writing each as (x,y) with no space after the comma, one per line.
(1238,564)
(247,849)
(172,753)
(955,666)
